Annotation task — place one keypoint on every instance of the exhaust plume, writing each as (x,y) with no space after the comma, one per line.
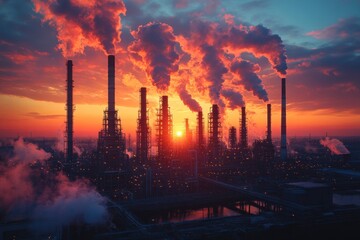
(235,98)
(81,24)
(215,69)
(246,72)
(334,145)
(188,100)
(154,47)
(50,200)
(261,42)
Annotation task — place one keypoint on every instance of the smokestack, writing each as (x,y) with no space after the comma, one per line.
(200,126)
(215,124)
(111,94)
(187,133)
(164,129)
(69,110)
(232,138)
(143,128)
(243,134)
(283,150)
(268,137)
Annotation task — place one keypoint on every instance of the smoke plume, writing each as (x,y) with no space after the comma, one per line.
(246,72)
(334,145)
(188,100)
(81,24)
(154,46)
(32,191)
(261,42)
(235,98)
(215,69)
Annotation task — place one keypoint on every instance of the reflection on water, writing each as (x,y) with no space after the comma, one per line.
(180,215)
(254,207)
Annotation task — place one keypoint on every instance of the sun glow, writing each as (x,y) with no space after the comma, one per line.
(179,133)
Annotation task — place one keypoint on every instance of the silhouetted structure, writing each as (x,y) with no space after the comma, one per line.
(164,131)
(69,113)
(188,137)
(268,133)
(243,132)
(232,138)
(283,149)
(200,132)
(111,142)
(214,133)
(142,140)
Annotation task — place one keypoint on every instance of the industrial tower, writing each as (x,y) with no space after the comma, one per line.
(283,148)
(69,144)
(164,131)
(214,147)
(143,131)
(111,142)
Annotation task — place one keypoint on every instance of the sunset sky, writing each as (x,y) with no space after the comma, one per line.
(229,52)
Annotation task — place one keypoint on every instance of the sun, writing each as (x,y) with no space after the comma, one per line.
(179,133)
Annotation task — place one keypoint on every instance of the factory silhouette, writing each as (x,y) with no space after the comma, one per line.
(112,161)
(192,188)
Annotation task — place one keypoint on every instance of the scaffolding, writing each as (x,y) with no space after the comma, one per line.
(243,132)
(143,131)
(215,136)
(164,130)
(232,138)
(70,108)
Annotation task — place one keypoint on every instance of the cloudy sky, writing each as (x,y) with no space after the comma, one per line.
(231,52)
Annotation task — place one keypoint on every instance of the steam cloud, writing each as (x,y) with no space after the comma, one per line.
(235,98)
(155,47)
(260,42)
(51,202)
(215,69)
(220,47)
(335,145)
(246,71)
(187,99)
(81,24)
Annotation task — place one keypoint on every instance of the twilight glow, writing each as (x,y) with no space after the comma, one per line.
(232,53)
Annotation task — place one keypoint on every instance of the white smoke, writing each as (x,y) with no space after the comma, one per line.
(50,200)
(334,145)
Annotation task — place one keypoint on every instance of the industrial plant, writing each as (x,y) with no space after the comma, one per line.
(205,187)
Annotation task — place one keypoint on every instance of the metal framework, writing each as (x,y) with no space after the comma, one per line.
(164,130)
(215,134)
(69,131)
(143,132)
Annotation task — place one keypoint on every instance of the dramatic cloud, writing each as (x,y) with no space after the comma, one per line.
(334,145)
(155,46)
(215,69)
(235,98)
(81,24)
(187,99)
(345,28)
(49,199)
(261,42)
(246,72)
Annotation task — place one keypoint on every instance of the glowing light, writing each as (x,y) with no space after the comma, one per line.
(179,133)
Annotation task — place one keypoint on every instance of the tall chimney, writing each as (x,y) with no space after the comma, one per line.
(69,110)
(143,128)
(283,150)
(243,132)
(215,122)
(200,126)
(111,94)
(164,131)
(232,138)
(187,133)
(268,134)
